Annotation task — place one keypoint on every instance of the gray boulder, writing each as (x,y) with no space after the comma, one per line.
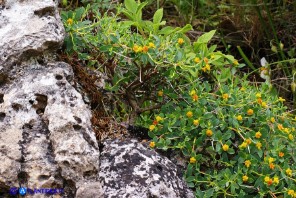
(129,169)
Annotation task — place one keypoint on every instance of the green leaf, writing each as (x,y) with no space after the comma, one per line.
(126,24)
(141,6)
(209,193)
(167,30)
(158,16)
(79,13)
(131,6)
(205,38)
(185,29)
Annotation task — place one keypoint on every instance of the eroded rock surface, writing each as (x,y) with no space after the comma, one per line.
(128,169)
(28,28)
(46,139)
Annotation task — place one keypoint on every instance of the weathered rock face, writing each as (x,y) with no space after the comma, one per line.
(46,139)
(28,28)
(128,169)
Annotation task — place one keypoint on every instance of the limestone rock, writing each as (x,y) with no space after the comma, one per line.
(46,139)
(128,169)
(28,28)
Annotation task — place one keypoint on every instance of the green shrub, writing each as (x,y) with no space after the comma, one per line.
(238,139)
(139,60)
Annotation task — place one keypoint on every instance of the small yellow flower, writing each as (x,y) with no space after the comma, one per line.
(264,105)
(281,154)
(248,163)
(158,118)
(239,118)
(206,60)
(151,127)
(197,60)
(140,49)
(291,137)
(189,114)
(243,89)
(281,99)
(235,62)
(259,100)
(289,172)
(70,21)
(258,135)
(272,120)
(152,144)
(212,56)
(258,95)
(208,67)
(270,159)
(258,145)
(245,178)
(280,127)
(192,160)
(266,179)
(286,130)
(194,97)
(195,122)
(225,96)
(192,92)
(151,45)
(243,145)
(250,112)
(271,166)
(291,192)
(160,93)
(225,147)
(180,41)
(248,141)
(209,133)
(276,180)
(137,48)
(145,49)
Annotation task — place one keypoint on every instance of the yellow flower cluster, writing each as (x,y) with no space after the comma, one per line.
(152,144)
(289,172)
(160,93)
(189,114)
(258,135)
(192,160)
(245,178)
(144,49)
(70,21)
(195,122)
(248,163)
(239,118)
(225,147)
(206,68)
(180,41)
(209,133)
(292,193)
(250,112)
(225,96)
